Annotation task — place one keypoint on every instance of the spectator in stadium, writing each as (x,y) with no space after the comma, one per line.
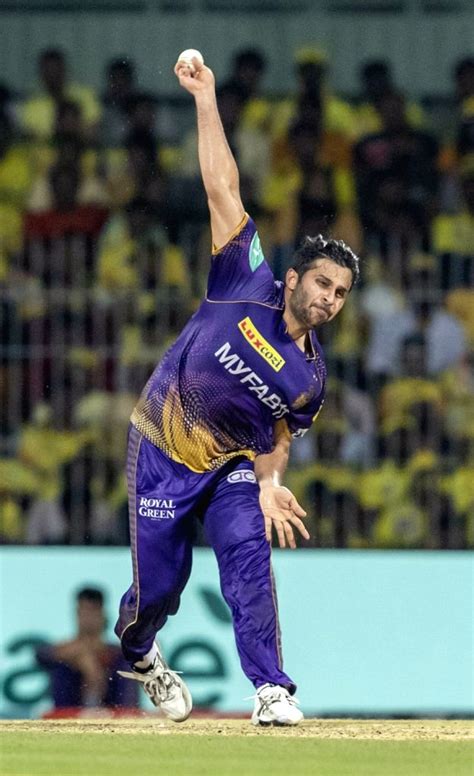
(66,215)
(142,116)
(15,165)
(453,233)
(396,179)
(86,497)
(38,113)
(457,385)
(45,520)
(138,172)
(83,670)
(311,68)
(412,399)
(337,515)
(418,313)
(135,254)
(120,92)
(67,147)
(248,69)
(395,512)
(328,484)
(310,187)
(376,81)
(418,518)
(15,181)
(458,486)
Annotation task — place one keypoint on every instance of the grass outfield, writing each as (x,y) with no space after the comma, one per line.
(235,748)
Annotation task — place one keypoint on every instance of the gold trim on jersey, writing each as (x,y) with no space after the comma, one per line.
(185,441)
(236,231)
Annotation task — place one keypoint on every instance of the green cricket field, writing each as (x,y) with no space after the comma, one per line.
(225,747)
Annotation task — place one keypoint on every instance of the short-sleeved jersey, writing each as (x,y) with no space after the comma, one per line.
(234,371)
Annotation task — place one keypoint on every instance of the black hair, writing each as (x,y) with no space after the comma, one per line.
(92,594)
(122,63)
(52,53)
(250,56)
(463,66)
(312,248)
(375,67)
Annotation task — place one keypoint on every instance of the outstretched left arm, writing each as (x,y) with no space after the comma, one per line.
(279,506)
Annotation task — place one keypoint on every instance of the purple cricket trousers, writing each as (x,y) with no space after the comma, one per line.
(164,497)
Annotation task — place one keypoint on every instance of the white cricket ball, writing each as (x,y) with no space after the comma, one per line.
(188,55)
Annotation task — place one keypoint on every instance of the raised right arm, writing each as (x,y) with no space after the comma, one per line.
(218,168)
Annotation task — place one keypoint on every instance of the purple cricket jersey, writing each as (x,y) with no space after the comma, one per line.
(234,371)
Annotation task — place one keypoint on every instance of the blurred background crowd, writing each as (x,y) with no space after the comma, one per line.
(104,254)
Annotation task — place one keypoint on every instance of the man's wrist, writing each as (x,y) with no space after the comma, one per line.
(269,482)
(206,97)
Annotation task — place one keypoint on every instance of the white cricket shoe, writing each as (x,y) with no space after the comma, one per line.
(275,706)
(164,687)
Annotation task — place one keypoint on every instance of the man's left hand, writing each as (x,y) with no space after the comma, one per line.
(281,509)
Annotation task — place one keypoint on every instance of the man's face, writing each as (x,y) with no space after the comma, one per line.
(90,617)
(320,293)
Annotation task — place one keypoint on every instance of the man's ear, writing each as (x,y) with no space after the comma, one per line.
(291,279)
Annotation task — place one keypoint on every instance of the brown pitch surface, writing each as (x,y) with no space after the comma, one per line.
(387,730)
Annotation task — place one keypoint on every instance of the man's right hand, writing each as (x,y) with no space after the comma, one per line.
(218,168)
(194,82)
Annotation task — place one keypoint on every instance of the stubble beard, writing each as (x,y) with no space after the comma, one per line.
(301,310)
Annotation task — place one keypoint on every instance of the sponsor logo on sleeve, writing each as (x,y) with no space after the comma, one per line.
(255,253)
(242,475)
(260,344)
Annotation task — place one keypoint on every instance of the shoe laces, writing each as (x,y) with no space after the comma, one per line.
(159,682)
(276,693)
(162,686)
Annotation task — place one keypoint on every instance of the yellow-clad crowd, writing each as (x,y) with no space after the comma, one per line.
(104,246)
